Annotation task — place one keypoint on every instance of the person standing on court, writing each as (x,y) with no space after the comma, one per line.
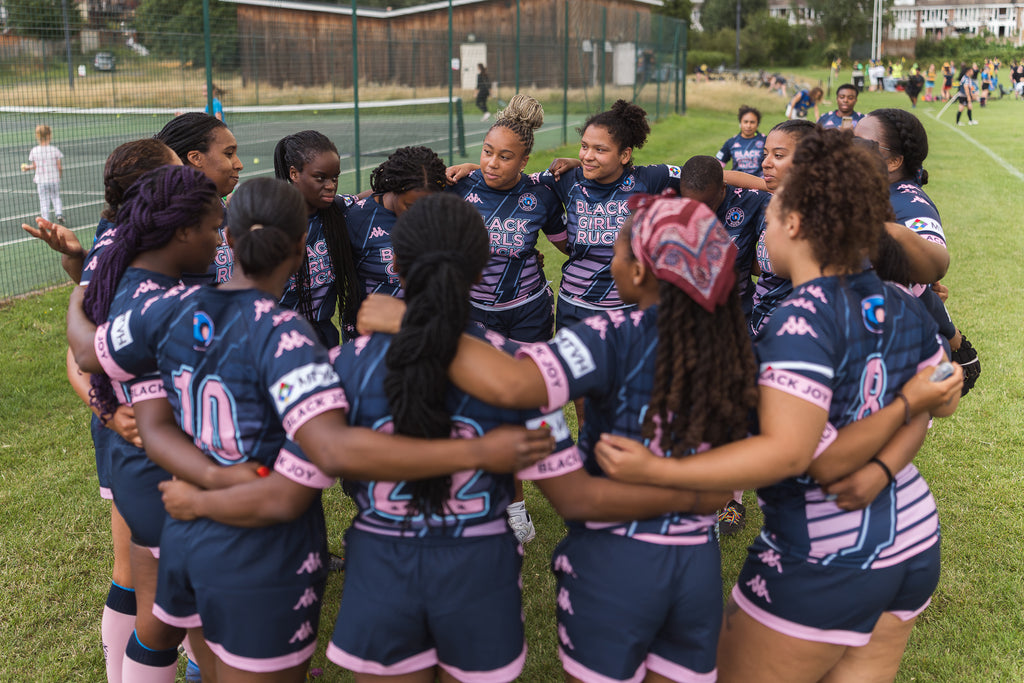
(483,90)
(46,160)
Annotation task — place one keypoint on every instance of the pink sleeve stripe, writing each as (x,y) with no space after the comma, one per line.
(935,359)
(791,628)
(564,235)
(906,553)
(306,410)
(678,672)
(191,621)
(828,436)
(417,662)
(797,385)
(301,471)
(552,372)
(147,389)
(114,371)
(554,465)
(264,665)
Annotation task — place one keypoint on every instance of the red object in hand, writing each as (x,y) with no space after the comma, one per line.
(263,471)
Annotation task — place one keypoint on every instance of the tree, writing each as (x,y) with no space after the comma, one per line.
(177,33)
(845,21)
(719,14)
(677,9)
(43,19)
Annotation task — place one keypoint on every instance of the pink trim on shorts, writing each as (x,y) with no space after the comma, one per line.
(99,344)
(423,660)
(577,670)
(509,672)
(300,471)
(678,672)
(795,630)
(312,406)
(106,493)
(554,465)
(153,550)
(797,385)
(262,665)
(907,615)
(564,235)
(551,370)
(191,621)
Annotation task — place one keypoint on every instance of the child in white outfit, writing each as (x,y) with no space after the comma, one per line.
(46,161)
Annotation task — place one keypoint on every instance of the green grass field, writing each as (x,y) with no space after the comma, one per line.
(55,548)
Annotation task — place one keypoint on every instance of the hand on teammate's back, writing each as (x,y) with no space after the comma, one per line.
(511,448)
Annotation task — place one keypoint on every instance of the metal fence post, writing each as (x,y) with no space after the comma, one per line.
(355,96)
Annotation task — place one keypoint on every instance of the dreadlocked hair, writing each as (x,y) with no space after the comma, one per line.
(904,135)
(699,395)
(191,132)
(522,116)
(295,151)
(839,223)
(124,166)
(265,219)
(626,124)
(441,246)
(155,207)
(407,169)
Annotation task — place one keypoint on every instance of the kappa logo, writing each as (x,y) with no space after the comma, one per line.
(734,217)
(527,201)
(474,198)
(378,232)
(796,326)
(291,341)
(575,353)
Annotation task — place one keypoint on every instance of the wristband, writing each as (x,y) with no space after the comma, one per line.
(885,468)
(906,409)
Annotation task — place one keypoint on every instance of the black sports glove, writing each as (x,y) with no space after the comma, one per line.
(967,357)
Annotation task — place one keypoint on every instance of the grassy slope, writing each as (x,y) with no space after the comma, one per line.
(54,545)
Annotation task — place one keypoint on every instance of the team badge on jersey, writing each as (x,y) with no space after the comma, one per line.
(527,201)
(734,217)
(873,311)
(202,330)
(628,184)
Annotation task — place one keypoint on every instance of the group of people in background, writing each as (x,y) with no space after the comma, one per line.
(242,348)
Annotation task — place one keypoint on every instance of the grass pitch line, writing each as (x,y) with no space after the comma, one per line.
(995,157)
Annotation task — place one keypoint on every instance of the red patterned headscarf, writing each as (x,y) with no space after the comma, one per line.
(682,242)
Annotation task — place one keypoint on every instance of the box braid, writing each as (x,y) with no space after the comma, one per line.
(904,135)
(296,151)
(155,207)
(522,116)
(409,168)
(441,247)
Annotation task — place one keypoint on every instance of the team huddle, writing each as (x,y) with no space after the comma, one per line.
(771,328)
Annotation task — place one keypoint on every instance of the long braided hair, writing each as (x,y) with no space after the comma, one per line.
(407,169)
(295,151)
(190,132)
(904,135)
(705,375)
(441,247)
(265,218)
(155,207)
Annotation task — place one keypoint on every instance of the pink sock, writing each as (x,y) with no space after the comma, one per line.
(116,628)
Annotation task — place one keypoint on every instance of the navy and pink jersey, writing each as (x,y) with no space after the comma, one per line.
(770,288)
(847,345)
(478,499)
(241,374)
(595,212)
(741,212)
(322,285)
(609,360)
(916,210)
(514,220)
(834,119)
(745,153)
(369,231)
(106,231)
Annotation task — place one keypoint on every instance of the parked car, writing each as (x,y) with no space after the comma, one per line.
(104,61)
